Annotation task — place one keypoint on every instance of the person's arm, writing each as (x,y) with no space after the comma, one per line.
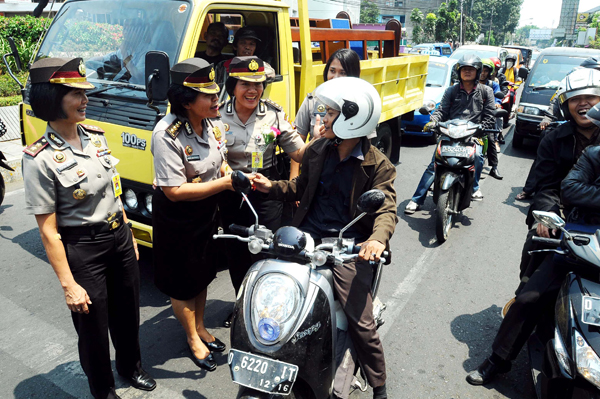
(581,186)
(76,296)
(443,110)
(197,191)
(289,139)
(487,118)
(496,88)
(547,186)
(125,220)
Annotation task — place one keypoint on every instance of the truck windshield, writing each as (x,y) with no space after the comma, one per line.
(549,71)
(113,37)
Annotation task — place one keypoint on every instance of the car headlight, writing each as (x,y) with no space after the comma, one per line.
(148,203)
(588,363)
(275,300)
(430,105)
(529,110)
(130,199)
(561,352)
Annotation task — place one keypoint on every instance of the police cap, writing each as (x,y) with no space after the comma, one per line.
(196,74)
(64,71)
(251,69)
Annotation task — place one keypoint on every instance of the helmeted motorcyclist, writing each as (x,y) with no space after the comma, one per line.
(557,153)
(487,71)
(468,100)
(499,76)
(336,169)
(510,68)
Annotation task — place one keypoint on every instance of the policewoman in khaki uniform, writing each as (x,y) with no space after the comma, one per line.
(190,170)
(246,117)
(72,187)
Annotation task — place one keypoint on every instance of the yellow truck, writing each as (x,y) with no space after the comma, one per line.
(104,32)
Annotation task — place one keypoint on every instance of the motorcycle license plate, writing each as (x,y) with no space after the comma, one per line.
(261,373)
(590,312)
(459,152)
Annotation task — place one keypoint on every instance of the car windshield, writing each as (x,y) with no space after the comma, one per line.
(113,37)
(551,69)
(457,54)
(437,74)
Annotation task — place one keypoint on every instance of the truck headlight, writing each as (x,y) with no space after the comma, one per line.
(275,300)
(130,199)
(561,352)
(588,363)
(529,110)
(148,201)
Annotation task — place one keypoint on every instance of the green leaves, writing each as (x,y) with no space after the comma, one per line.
(369,12)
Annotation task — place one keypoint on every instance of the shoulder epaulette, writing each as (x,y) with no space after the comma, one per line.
(273,104)
(36,147)
(173,129)
(93,129)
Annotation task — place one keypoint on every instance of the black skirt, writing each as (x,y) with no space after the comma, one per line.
(183,264)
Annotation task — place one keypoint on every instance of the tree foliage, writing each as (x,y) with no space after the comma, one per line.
(369,12)
(429,28)
(522,34)
(447,24)
(416,17)
(503,15)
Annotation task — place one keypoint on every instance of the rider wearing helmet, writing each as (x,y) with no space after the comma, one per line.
(467,100)
(557,153)
(336,169)
(510,68)
(500,77)
(485,78)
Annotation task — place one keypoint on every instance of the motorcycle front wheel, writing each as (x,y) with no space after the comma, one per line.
(2,189)
(444,215)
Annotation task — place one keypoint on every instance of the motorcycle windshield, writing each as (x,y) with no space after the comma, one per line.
(113,37)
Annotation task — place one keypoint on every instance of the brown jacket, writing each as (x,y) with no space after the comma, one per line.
(376,171)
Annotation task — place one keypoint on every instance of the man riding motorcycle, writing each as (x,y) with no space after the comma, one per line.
(336,170)
(557,154)
(485,78)
(466,100)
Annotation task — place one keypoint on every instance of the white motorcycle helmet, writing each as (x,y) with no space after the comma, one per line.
(583,81)
(358,102)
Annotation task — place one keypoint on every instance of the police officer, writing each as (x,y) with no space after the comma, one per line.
(248,119)
(190,168)
(73,189)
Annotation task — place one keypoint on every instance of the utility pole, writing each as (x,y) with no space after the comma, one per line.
(490,34)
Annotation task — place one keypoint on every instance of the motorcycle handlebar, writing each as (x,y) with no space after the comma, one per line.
(239,230)
(548,241)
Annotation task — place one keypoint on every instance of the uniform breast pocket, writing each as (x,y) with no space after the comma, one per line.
(230,140)
(73,176)
(195,169)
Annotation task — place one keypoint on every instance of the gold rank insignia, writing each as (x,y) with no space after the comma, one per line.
(197,179)
(59,157)
(217,133)
(189,150)
(211,75)
(253,66)
(79,194)
(82,68)
(56,140)
(188,128)
(226,126)
(173,130)
(96,140)
(114,224)
(80,173)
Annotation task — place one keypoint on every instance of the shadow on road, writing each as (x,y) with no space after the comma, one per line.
(478,331)
(51,385)
(30,241)
(3,207)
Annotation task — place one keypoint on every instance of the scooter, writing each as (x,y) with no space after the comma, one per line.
(455,169)
(287,324)
(564,350)
(3,164)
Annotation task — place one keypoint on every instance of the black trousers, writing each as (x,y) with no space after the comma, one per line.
(106,267)
(535,300)
(492,151)
(529,186)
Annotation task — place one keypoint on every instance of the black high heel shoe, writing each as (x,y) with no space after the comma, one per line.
(208,363)
(215,346)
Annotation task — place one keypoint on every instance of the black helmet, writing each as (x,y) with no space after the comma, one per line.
(511,56)
(592,62)
(469,60)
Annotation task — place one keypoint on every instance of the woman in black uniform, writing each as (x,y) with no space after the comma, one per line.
(190,168)
(73,189)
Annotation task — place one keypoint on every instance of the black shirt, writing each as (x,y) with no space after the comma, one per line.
(213,60)
(330,209)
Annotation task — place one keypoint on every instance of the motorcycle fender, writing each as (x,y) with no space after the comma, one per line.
(448,179)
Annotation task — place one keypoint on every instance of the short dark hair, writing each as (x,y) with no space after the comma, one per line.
(218,25)
(46,100)
(179,96)
(231,82)
(349,60)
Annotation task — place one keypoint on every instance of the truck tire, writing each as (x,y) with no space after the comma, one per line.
(384,140)
(517,141)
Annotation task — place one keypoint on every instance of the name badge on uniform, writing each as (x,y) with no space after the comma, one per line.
(66,166)
(257,159)
(116,184)
(193,157)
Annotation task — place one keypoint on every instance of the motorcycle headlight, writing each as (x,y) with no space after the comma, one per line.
(588,363)
(148,203)
(561,352)
(275,300)
(130,199)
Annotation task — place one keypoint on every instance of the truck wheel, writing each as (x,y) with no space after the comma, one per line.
(517,141)
(443,221)
(384,140)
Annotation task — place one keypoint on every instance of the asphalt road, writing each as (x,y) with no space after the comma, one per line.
(443,303)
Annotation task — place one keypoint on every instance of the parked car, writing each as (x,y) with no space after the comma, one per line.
(551,67)
(480,51)
(436,49)
(526,54)
(439,78)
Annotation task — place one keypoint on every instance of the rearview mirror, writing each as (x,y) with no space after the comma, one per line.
(15,53)
(500,113)
(523,72)
(157,75)
(423,110)
(240,182)
(371,201)
(499,95)
(549,219)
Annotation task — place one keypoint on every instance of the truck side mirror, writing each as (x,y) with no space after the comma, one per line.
(523,72)
(15,53)
(157,75)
